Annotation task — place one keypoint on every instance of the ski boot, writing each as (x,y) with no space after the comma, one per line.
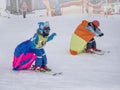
(89,51)
(37,68)
(97,50)
(45,68)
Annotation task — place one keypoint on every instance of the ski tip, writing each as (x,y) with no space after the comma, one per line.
(55,74)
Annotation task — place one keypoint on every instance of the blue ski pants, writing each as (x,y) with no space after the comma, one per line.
(41,57)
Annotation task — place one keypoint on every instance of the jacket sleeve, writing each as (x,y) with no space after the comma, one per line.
(96,32)
(51,37)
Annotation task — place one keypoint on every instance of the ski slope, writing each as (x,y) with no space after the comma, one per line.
(81,72)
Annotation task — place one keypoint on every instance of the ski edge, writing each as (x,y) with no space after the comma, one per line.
(51,73)
(48,72)
(101,52)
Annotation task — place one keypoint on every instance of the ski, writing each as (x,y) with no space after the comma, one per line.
(100,52)
(52,73)
(105,51)
(48,72)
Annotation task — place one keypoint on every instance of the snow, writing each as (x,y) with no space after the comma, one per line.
(81,72)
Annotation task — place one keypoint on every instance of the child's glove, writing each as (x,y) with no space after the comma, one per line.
(51,37)
(53,34)
(102,34)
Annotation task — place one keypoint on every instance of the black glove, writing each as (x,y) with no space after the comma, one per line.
(102,34)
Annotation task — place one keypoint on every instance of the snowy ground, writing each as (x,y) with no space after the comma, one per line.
(81,72)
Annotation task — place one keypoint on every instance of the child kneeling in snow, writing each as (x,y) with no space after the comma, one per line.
(34,45)
(93,27)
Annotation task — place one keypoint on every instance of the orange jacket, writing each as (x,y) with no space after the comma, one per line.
(83,33)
